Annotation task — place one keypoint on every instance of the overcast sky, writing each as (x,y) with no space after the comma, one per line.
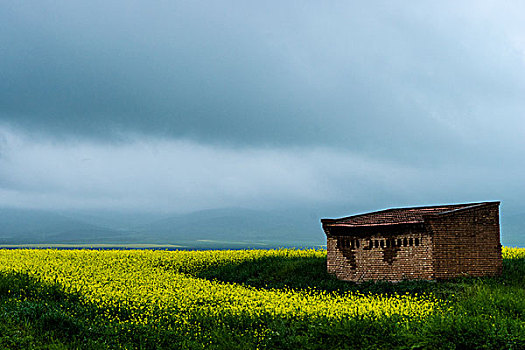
(188,105)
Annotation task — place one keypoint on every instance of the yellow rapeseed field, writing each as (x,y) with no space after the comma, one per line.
(161,290)
(152,284)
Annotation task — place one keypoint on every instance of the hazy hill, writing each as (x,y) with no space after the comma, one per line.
(217,228)
(232,227)
(40,226)
(513,230)
(236,225)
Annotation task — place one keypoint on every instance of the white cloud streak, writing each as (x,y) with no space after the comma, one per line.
(182,176)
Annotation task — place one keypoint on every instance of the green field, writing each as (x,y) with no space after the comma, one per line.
(274,299)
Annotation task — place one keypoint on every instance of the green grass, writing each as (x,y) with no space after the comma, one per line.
(280,299)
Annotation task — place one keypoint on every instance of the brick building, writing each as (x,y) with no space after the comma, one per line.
(435,242)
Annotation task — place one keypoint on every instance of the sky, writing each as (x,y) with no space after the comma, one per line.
(178,106)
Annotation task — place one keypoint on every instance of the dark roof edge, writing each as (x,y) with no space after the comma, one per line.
(408,223)
(454,211)
(418,207)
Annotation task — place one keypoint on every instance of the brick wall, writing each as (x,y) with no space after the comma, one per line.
(466,242)
(380,255)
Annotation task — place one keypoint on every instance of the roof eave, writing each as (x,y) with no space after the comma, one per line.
(335,224)
(455,211)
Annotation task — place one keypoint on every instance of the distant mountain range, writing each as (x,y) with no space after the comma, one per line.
(217,228)
(513,230)
(225,228)
(19,226)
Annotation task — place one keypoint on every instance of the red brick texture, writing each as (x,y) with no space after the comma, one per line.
(467,242)
(415,243)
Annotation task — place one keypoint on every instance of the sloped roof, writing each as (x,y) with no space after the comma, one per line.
(395,216)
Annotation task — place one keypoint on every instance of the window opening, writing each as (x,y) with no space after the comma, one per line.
(417,241)
(382,243)
(405,242)
(388,243)
(399,242)
(411,242)
(357,243)
(376,243)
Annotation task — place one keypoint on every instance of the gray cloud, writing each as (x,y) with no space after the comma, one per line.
(179,175)
(191,105)
(380,79)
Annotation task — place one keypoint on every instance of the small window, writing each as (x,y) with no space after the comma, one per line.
(399,242)
(417,241)
(357,243)
(405,242)
(411,242)
(370,244)
(382,243)
(376,243)
(388,243)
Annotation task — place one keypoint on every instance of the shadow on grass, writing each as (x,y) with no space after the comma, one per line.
(37,315)
(310,272)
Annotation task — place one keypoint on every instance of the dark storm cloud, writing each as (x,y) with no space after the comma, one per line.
(260,104)
(380,79)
